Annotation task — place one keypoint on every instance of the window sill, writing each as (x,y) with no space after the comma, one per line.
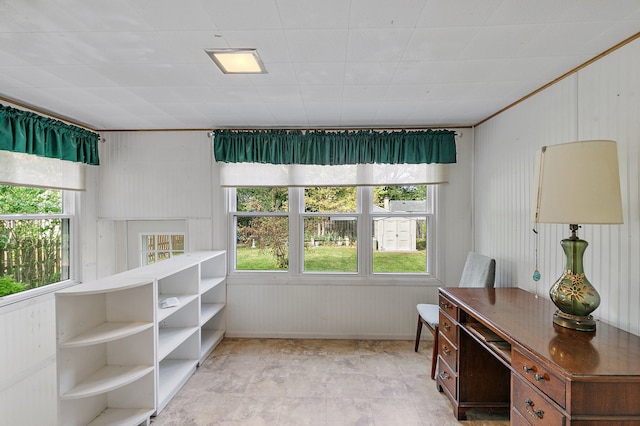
(279,278)
(33,293)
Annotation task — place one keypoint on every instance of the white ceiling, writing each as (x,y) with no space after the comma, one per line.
(140,64)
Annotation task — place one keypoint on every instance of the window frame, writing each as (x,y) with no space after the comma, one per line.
(304,215)
(364,216)
(144,253)
(232,215)
(68,213)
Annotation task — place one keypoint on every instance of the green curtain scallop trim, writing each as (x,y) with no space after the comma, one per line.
(30,133)
(320,147)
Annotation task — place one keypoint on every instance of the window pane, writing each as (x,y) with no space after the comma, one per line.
(399,244)
(25,200)
(177,242)
(148,242)
(262,199)
(34,253)
(162,242)
(402,199)
(148,258)
(157,247)
(262,243)
(330,244)
(330,199)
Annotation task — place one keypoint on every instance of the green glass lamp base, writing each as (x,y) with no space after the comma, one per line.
(572,293)
(574,322)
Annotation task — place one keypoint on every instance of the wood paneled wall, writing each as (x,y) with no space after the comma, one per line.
(155,175)
(601,101)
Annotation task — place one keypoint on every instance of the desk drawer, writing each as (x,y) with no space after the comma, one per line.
(539,377)
(532,406)
(448,352)
(448,307)
(448,327)
(447,379)
(517,419)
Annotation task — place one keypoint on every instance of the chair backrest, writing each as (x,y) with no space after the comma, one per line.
(479,271)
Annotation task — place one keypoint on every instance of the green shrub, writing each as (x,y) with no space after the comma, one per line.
(9,286)
(421,243)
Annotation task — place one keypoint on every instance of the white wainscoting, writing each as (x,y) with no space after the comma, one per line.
(28,385)
(601,101)
(333,309)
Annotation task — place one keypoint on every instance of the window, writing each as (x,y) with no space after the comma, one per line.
(34,238)
(261,223)
(330,229)
(151,241)
(365,230)
(157,247)
(400,220)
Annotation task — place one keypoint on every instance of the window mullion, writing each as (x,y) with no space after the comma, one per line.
(365,253)
(296,231)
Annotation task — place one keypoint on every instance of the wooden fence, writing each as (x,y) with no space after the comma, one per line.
(31,251)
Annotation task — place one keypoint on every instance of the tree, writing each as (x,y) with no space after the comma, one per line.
(270,233)
(268,199)
(330,199)
(403,192)
(26,200)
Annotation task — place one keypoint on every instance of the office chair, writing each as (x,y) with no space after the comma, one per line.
(479,271)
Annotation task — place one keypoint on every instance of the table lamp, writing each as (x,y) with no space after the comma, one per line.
(576,183)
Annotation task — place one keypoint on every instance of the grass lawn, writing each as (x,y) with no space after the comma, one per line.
(334,259)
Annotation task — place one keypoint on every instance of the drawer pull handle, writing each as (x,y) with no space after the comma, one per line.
(536,414)
(444,376)
(446,350)
(537,376)
(445,305)
(446,326)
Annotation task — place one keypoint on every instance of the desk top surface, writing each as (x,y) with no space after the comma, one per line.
(526,320)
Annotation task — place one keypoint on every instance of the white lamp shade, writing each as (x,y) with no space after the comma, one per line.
(578,183)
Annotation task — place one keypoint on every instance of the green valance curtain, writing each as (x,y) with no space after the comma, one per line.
(335,148)
(30,133)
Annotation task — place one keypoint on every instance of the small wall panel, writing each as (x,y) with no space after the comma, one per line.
(155,175)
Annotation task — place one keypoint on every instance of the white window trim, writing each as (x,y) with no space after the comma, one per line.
(365,275)
(68,205)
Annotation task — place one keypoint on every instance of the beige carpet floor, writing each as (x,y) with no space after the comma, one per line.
(287,382)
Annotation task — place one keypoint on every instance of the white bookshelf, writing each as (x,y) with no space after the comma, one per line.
(105,353)
(213,299)
(177,339)
(121,356)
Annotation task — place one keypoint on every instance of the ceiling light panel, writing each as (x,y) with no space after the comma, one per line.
(237,61)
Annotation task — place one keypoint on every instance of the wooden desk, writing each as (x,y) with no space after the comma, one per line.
(500,350)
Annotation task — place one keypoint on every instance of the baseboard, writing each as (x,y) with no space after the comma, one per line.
(249,335)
